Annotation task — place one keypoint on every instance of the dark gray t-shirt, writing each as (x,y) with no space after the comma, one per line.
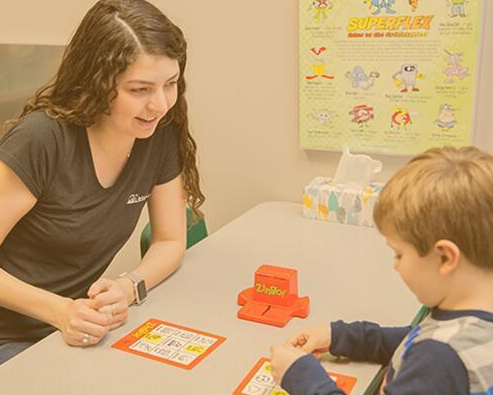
(76,227)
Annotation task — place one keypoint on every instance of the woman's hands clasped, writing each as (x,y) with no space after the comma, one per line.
(80,323)
(84,322)
(111,299)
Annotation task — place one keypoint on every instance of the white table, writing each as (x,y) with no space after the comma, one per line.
(345,270)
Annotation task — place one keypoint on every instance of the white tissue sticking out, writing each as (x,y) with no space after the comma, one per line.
(356,170)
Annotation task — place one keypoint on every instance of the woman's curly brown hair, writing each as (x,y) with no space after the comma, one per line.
(110,37)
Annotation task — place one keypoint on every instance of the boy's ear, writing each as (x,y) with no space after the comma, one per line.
(449,255)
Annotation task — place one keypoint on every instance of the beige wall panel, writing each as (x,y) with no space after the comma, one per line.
(243,95)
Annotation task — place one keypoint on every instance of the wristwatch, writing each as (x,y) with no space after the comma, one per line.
(140,290)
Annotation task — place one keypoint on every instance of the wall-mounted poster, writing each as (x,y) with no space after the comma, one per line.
(388,76)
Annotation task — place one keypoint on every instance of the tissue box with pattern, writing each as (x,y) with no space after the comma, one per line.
(325,200)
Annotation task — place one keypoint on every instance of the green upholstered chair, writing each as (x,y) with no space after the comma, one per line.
(196,231)
(422,313)
(376,383)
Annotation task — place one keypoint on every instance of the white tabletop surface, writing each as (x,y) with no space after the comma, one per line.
(346,271)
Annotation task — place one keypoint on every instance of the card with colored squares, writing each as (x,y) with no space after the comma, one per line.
(169,343)
(259,381)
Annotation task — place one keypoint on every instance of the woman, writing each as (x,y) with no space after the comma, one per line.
(76,168)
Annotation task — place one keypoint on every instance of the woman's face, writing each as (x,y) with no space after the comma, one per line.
(147,90)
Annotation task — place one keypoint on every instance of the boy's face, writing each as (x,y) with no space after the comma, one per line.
(420,273)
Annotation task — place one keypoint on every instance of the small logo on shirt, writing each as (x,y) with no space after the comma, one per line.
(136,198)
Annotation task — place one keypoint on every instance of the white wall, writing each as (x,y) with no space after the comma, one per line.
(243,95)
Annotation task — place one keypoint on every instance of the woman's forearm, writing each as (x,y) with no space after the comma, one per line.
(160,261)
(34,302)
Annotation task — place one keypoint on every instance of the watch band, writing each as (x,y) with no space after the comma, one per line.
(140,289)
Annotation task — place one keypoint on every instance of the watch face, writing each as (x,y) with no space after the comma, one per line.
(141,290)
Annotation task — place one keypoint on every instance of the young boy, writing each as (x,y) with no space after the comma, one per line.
(437,215)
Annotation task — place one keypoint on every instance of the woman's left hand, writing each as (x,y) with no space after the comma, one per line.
(111,299)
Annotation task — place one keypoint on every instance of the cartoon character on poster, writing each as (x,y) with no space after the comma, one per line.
(323,116)
(446,117)
(454,67)
(319,64)
(381,4)
(361,115)
(407,77)
(360,79)
(457,8)
(401,117)
(321,7)
(414,5)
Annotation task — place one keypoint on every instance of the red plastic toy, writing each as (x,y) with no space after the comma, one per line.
(274,297)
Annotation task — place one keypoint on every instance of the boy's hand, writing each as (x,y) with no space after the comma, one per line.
(282,358)
(315,340)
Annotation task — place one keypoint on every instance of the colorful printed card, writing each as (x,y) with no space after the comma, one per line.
(169,343)
(259,381)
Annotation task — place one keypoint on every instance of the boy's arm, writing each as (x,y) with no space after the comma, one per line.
(307,377)
(431,367)
(366,341)
(358,341)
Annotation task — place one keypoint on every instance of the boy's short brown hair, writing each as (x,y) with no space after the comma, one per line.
(443,193)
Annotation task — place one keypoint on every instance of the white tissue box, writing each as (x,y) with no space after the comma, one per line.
(340,203)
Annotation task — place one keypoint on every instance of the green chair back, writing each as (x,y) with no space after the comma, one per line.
(376,383)
(422,313)
(196,231)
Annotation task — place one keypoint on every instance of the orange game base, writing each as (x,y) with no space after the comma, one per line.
(268,314)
